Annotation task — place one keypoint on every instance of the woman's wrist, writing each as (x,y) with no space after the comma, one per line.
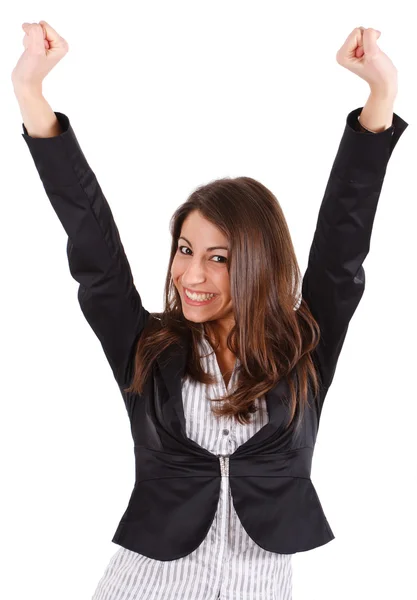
(37,115)
(378,112)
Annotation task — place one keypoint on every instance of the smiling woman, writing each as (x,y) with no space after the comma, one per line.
(219,505)
(201,278)
(230,238)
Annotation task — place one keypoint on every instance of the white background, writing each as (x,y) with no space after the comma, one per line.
(163,97)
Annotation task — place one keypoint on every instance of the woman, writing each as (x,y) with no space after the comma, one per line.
(225,387)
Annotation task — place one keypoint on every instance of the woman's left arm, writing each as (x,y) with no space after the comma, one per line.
(334,281)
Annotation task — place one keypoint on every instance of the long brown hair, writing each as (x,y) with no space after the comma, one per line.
(271,337)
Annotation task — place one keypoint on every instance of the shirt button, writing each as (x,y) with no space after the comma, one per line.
(225,431)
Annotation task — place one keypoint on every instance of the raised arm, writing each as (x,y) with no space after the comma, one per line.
(334,281)
(97,261)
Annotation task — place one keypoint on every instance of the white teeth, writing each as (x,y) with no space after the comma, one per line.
(199,297)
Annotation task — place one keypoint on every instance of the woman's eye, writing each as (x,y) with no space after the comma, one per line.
(223,258)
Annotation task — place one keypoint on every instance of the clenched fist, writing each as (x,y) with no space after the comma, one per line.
(44,48)
(361,54)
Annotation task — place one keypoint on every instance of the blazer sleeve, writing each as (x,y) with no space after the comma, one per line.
(334,281)
(107,294)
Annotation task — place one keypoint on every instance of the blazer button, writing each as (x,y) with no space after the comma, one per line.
(225,431)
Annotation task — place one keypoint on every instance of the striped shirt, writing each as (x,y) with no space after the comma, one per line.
(228,564)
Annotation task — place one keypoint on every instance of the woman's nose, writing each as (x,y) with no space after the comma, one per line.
(194,273)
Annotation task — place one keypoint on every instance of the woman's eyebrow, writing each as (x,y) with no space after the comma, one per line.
(207,249)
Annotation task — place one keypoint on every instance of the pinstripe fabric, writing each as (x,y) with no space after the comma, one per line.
(228,564)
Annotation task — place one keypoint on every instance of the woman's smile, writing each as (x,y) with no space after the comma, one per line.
(192,302)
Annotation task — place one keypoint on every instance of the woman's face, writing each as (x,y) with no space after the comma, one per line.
(200,265)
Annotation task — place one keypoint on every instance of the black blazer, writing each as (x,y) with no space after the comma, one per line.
(177,484)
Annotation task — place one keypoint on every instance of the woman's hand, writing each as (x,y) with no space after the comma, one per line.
(44,48)
(361,55)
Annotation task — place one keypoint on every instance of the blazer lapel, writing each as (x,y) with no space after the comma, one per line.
(172,362)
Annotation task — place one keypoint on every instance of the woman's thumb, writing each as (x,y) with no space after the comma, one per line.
(370,37)
(52,36)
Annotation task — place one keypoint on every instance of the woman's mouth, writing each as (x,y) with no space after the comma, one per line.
(196,302)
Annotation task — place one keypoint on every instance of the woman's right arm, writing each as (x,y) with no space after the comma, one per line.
(97,261)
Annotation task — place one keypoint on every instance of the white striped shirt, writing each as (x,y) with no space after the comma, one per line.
(228,564)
